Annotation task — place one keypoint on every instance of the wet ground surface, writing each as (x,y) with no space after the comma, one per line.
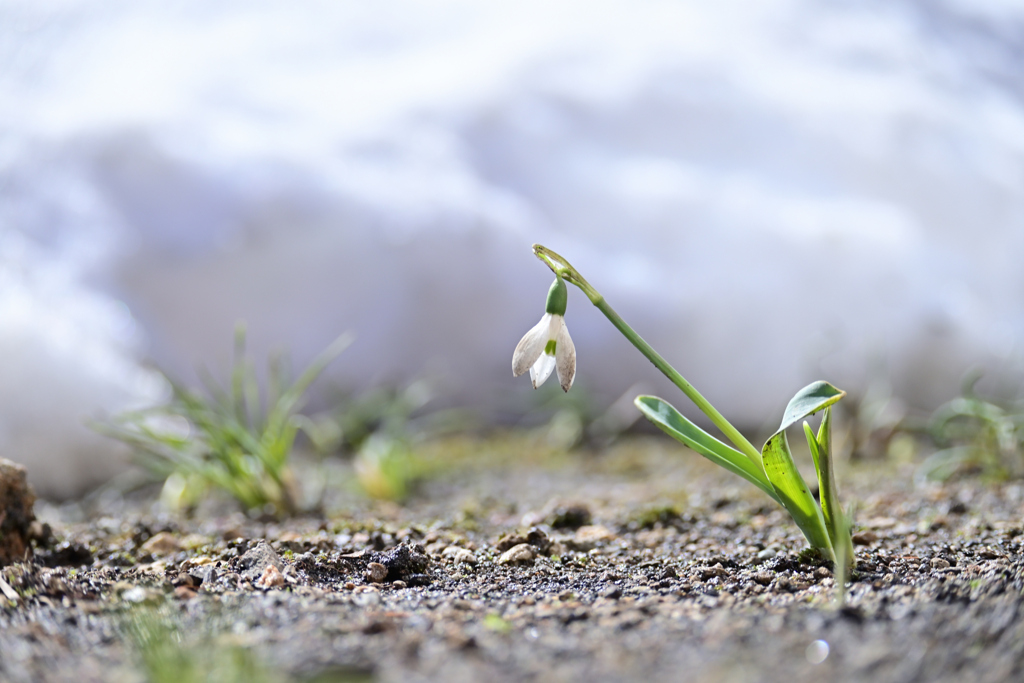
(642,562)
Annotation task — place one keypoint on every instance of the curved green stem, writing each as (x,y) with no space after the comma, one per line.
(563,268)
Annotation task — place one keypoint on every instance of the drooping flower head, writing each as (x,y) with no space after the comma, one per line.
(548,346)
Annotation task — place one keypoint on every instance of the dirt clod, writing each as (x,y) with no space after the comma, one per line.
(16,514)
(865,537)
(569,516)
(403,562)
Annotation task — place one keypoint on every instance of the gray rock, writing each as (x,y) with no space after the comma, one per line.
(256,560)
(205,574)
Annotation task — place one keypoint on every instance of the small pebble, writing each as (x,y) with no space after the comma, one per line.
(711,572)
(766,554)
(366,598)
(256,560)
(522,553)
(162,544)
(589,536)
(271,578)
(399,584)
(138,594)
(817,652)
(185,579)
(185,592)
(376,572)
(939,563)
(864,538)
(457,555)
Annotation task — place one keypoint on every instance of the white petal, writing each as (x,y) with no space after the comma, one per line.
(565,357)
(556,323)
(541,370)
(531,346)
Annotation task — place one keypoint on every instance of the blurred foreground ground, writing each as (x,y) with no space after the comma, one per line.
(643,563)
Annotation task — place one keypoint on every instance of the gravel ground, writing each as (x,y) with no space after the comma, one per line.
(638,562)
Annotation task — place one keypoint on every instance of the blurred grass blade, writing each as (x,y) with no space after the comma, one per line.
(843,554)
(673,423)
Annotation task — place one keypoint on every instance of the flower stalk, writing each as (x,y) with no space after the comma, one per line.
(562,268)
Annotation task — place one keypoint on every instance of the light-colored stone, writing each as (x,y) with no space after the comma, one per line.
(518,554)
(271,578)
(139,595)
(457,555)
(7,591)
(590,536)
(162,544)
(376,572)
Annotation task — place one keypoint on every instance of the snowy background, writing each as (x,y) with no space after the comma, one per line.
(770,191)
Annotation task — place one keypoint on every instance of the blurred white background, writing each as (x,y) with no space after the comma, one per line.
(770,191)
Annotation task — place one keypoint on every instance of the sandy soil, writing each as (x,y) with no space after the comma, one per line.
(641,562)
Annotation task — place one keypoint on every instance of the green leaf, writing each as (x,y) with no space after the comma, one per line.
(830,508)
(808,401)
(812,445)
(792,491)
(673,423)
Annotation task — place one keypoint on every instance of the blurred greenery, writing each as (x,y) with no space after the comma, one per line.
(383,428)
(231,438)
(976,437)
(169,653)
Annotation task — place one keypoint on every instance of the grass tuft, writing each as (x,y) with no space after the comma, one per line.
(229,437)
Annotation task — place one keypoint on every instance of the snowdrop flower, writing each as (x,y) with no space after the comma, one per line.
(548,346)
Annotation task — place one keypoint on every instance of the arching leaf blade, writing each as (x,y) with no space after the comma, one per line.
(672,422)
(809,400)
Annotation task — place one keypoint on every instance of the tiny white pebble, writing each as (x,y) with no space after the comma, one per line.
(817,652)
